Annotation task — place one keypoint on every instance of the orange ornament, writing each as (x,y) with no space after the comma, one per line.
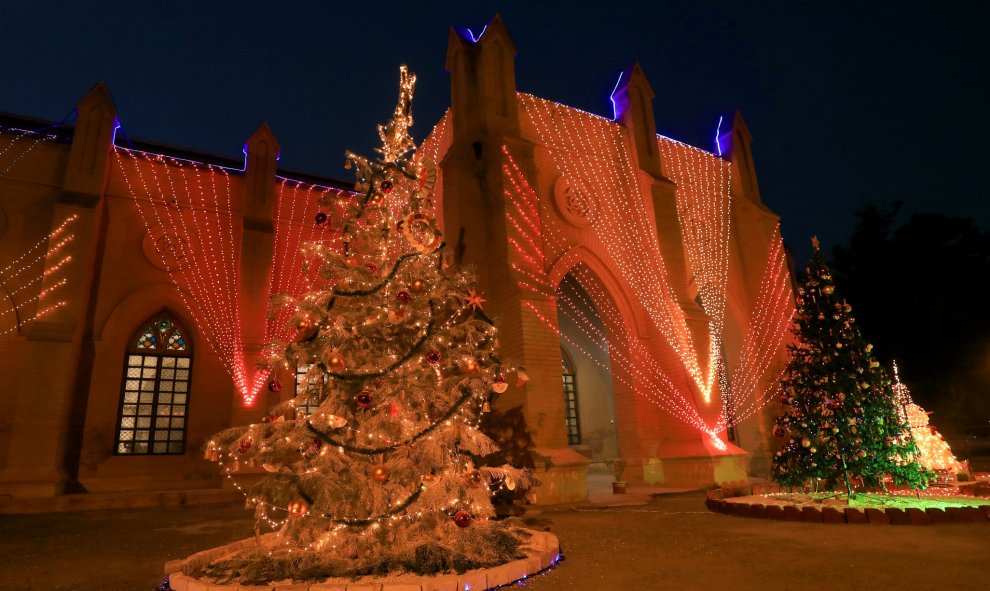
(336,362)
(417,286)
(298,508)
(381,472)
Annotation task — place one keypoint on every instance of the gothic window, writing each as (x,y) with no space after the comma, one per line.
(570,399)
(154,393)
(313,389)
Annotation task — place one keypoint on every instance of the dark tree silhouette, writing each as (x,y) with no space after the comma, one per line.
(921,291)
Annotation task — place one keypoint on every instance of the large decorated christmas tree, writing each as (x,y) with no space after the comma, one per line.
(840,422)
(372,466)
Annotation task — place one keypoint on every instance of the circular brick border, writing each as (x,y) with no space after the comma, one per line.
(542,549)
(891,516)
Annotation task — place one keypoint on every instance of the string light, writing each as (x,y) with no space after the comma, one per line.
(47,253)
(704,206)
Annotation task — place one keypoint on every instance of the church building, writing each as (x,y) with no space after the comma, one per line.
(641,283)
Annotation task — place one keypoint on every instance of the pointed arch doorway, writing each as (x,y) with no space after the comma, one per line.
(586,373)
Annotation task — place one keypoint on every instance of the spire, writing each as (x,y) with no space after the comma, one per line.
(482,79)
(632,101)
(261,152)
(88,158)
(733,142)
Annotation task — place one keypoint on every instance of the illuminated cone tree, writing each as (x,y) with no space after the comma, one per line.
(933,451)
(841,421)
(371,467)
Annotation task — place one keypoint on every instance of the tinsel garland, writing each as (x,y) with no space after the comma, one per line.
(468,394)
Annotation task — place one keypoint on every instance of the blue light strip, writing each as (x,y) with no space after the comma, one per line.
(611,97)
(718,129)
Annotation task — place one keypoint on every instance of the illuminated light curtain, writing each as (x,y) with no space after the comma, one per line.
(590,152)
(193,201)
(763,342)
(704,203)
(653,382)
(22,144)
(766,334)
(28,272)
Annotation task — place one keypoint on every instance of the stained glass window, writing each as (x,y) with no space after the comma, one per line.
(155,390)
(570,399)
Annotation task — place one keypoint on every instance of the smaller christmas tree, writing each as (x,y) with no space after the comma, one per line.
(840,419)
(933,451)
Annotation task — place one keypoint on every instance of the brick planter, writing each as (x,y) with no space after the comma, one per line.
(543,551)
(756,509)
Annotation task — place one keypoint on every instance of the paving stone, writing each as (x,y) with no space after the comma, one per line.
(440,583)
(775,512)
(792,513)
(469,581)
(976,514)
(877,516)
(178,582)
(958,515)
(833,515)
(498,575)
(811,515)
(918,517)
(898,516)
(856,516)
(938,515)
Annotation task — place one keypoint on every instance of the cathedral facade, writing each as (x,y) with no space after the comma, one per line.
(640,282)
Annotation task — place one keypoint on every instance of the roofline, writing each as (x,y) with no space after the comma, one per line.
(64,132)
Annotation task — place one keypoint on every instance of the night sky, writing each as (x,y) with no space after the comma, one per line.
(848,104)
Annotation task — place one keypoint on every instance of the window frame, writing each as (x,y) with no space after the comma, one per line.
(159,352)
(570,396)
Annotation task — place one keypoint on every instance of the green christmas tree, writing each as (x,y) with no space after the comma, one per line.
(380,475)
(840,422)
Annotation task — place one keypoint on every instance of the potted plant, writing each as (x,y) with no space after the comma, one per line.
(617,466)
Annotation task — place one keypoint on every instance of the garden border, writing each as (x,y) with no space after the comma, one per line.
(543,551)
(873,516)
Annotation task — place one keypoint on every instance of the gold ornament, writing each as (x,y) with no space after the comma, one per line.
(417,286)
(429,479)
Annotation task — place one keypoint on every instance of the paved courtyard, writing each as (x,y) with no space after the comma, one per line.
(670,543)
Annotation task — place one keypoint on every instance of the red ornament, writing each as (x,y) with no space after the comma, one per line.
(372,268)
(462,518)
(433,356)
(364,399)
(403,297)
(393,409)
(322,219)
(386,187)
(274,385)
(246,444)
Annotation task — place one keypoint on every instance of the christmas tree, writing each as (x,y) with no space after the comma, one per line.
(840,420)
(380,476)
(933,451)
